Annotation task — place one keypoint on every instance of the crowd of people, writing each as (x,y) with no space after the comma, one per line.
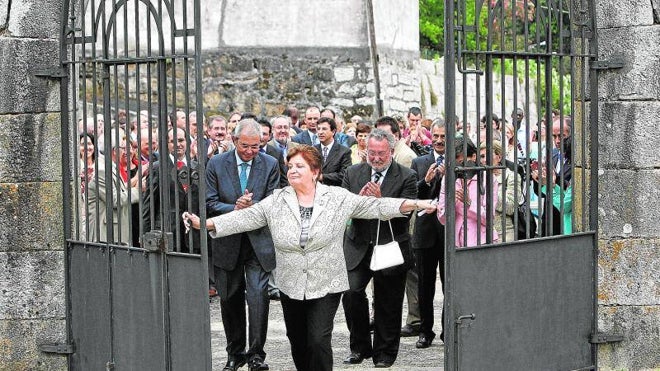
(295,205)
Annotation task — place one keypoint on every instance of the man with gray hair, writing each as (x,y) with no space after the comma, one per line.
(282,134)
(235,180)
(380,176)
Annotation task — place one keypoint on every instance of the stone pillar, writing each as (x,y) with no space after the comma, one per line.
(32,302)
(629,181)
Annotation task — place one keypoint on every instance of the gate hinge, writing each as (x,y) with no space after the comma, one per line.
(608,64)
(603,338)
(157,240)
(51,73)
(57,348)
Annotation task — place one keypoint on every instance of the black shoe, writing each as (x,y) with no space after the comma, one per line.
(383,364)
(355,358)
(234,364)
(274,295)
(424,341)
(409,331)
(256,364)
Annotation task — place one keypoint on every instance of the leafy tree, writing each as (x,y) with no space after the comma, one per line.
(521,26)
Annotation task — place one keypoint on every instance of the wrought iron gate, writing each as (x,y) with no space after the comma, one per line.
(136,283)
(524,299)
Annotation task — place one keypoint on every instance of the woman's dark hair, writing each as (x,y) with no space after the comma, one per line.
(362,128)
(92,139)
(311,155)
(463,142)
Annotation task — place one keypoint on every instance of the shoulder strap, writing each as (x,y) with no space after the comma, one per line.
(378,231)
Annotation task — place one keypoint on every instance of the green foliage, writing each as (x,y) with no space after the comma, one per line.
(431,27)
(515,26)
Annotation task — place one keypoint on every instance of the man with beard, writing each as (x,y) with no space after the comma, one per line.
(281,134)
(378,177)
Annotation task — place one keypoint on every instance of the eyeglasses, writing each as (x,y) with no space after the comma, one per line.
(244,146)
(377,154)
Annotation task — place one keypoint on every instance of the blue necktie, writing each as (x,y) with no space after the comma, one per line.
(439,160)
(243,176)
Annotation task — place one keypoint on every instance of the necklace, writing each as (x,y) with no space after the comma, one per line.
(305,212)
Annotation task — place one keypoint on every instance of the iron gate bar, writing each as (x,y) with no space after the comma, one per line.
(557,50)
(85,61)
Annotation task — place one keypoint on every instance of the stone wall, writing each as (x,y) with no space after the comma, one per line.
(263,76)
(32,303)
(432,83)
(629,197)
(265,80)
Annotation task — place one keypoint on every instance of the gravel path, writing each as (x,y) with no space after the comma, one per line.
(279,355)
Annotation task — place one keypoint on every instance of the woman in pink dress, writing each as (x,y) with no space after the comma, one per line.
(471,200)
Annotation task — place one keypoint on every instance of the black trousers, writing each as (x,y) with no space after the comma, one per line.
(309,325)
(428,262)
(389,289)
(247,282)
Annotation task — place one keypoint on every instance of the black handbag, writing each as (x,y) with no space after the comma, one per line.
(525,220)
(418,149)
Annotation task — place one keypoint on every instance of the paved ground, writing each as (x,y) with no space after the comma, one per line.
(279,354)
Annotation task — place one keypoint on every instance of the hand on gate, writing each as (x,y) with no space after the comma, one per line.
(191,220)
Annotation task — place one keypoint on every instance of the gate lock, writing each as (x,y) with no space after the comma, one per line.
(157,240)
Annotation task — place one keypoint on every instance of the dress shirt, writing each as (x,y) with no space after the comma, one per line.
(239,162)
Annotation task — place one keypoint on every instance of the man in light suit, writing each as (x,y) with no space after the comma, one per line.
(242,262)
(429,235)
(336,158)
(282,134)
(379,177)
(99,193)
(309,137)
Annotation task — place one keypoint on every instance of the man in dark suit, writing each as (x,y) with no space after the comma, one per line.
(180,187)
(242,262)
(336,158)
(266,136)
(312,115)
(340,137)
(379,177)
(429,235)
